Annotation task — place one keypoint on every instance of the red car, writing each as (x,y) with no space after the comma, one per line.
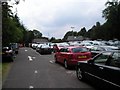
(69,56)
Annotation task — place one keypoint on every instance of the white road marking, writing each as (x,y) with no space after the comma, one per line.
(31,87)
(68,72)
(33,57)
(30,58)
(52,61)
(26,50)
(71,72)
(36,71)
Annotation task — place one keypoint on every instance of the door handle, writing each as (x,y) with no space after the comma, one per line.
(101,68)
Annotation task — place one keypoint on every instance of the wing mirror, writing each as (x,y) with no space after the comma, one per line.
(91,61)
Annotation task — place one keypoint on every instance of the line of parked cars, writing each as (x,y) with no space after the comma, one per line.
(42,48)
(97,61)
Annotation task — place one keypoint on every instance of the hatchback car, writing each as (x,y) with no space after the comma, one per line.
(69,56)
(104,69)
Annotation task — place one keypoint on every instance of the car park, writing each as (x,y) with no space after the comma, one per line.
(103,69)
(69,56)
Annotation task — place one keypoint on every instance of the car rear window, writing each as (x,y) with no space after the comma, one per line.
(81,49)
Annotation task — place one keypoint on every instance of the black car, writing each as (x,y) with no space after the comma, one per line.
(7,54)
(103,69)
(45,49)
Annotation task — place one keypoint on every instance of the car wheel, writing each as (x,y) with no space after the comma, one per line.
(80,74)
(65,64)
(56,60)
(11,59)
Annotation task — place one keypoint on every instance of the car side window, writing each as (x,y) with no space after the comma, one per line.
(64,50)
(114,60)
(101,59)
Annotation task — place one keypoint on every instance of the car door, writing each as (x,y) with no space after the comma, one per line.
(63,54)
(58,55)
(95,69)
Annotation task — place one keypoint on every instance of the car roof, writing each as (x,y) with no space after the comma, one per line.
(113,51)
(73,47)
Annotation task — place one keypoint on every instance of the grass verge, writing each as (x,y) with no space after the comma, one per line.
(5,70)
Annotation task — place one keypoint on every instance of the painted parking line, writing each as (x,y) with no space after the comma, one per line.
(71,72)
(36,71)
(30,58)
(26,50)
(33,57)
(52,61)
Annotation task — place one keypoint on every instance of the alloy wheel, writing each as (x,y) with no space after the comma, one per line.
(79,74)
(65,64)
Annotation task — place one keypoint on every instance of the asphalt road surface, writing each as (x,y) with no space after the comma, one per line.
(32,70)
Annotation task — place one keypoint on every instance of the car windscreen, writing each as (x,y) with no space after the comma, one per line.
(81,49)
(6,48)
(45,46)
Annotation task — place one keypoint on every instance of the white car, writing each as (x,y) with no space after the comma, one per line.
(87,45)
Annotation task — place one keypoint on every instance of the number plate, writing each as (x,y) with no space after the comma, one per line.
(82,56)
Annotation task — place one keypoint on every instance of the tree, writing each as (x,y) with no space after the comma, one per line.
(69,33)
(12,29)
(82,32)
(111,28)
(52,39)
(112,14)
(37,34)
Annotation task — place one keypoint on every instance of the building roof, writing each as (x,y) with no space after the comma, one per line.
(40,40)
(75,38)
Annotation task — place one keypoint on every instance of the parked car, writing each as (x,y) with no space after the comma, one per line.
(58,46)
(7,54)
(38,47)
(34,45)
(104,69)
(98,49)
(15,47)
(87,45)
(45,49)
(69,56)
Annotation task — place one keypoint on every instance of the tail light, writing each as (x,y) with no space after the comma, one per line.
(89,55)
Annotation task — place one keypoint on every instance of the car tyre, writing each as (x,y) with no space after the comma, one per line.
(80,74)
(56,60)
(66,64)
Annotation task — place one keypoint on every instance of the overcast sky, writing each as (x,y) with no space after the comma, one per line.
(53,18)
